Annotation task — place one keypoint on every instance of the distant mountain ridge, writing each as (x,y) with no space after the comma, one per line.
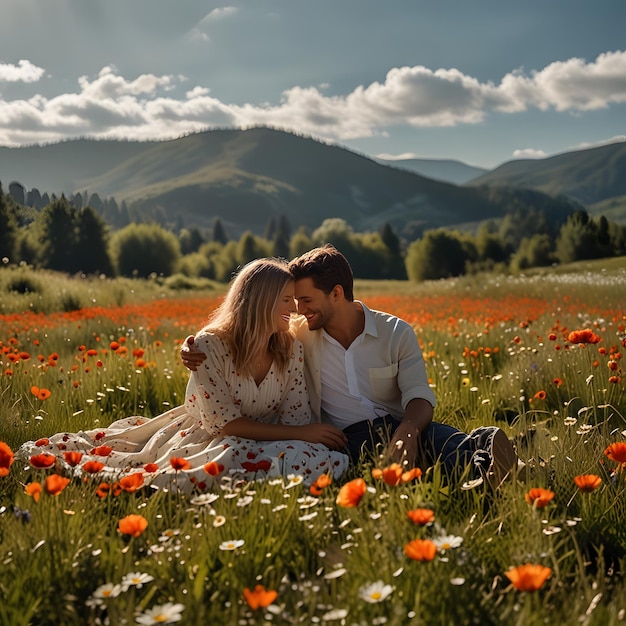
(245,177)
(445,170)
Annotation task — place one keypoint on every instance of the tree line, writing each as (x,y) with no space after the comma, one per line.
(77,239)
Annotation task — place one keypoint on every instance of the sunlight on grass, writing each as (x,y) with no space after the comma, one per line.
(548,547)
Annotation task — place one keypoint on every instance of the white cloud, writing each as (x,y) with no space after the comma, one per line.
(24,71)
(199,31)
(218,14)
(110,105)
(529,153)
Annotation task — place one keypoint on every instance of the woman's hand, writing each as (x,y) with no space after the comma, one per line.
(326,434)
(192,358)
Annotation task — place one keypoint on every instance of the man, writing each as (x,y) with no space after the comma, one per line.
(366,375)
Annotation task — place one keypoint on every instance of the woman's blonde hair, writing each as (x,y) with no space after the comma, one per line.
(245,318)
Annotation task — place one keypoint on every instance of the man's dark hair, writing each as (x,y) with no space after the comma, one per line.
(327,267)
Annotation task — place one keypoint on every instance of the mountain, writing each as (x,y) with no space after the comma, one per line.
(446,170)
(595,177)
(248,176)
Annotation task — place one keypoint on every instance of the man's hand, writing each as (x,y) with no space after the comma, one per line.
(192,359)
(404,445)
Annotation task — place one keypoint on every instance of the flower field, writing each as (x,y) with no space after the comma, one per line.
(540,356)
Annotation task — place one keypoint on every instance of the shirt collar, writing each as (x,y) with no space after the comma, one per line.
(370,322)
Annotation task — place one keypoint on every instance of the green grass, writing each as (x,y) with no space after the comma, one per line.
(57,553)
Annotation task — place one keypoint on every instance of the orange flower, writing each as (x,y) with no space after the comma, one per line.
(421,550)
(583,336)
(132,525)
(412,474)
(93,467)
(616,452)
(421,517)
(131,482)
(557,381)
(44,441)
(6,458)
(539,497)
(42,394)
(392,475)
(33,489)
(179,463)
(212,468)
(259,597)
(42,461)
(54,484)
(72,458)
(103,490)
(540,395)
(351,493)
(151,468)
(101,451)
(528,577)
(321,482)
(587,482)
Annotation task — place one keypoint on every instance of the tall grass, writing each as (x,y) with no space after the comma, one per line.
(497,352)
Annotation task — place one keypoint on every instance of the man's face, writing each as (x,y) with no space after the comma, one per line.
(313,303)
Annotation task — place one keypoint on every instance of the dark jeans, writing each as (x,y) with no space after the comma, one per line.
(453,448)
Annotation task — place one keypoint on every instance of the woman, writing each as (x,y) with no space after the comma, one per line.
(246,411)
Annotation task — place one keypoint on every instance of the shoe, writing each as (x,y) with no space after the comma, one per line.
(504,461)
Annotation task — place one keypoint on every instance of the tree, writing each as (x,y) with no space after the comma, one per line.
(145,249)
(8,229)
(300,243)
(396,268)
(57,236)
(92,250)
(578,239)
(219,234)
(439,254)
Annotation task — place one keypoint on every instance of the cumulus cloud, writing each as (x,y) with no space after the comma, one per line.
(24,72)
(529,153)
(110,105)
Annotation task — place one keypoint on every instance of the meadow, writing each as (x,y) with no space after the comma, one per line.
(540,355)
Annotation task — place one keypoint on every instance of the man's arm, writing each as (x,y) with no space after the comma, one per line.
(405,441)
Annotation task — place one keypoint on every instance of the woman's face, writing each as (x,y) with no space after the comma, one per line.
(285,307)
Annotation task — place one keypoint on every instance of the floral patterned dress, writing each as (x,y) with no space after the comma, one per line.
(216,394)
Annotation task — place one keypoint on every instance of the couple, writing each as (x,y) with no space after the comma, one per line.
(261,402)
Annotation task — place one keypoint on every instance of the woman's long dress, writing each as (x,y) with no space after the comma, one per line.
(216,394)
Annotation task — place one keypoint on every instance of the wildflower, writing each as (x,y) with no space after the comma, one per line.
(583,336)
(420,550)
(293,480)
(587,482)
(150,468)
(391,475)
(103,490)
(41,394)
(131,482)
(232,544)
(108,590)
(259,597)
(93,467)
(421,517)
(375,592)
(465,382)
(528,577)
(44,441)
(351,493)
(6,458)
(411,474)
(34,490)
(616,452)
(219,520)
(164,614)
(101,451)
(321,482)
(72,458)
(54,484)
(42,461)
(204,498)
(447,542)
(179,463)
(557,381)
(212,468)
(135,579)
(540,395)
(132,525)
(539,497)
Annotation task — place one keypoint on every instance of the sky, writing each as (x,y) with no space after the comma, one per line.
(479,81)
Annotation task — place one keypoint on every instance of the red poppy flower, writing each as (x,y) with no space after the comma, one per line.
(93,467)
(351,493)
(320,483)
(539,497)
(528,577)
(583,336)
(259,597)
(212,468)
(540,395)
(421,517)
(42,461)
(151,468)
(103,490)
(44,441)
(132,525)
(421,550)
(616,452)
(34,490)
(179,463)
(54,484)
(72,458)
(587,482)
(131,482)
(391,475)
(6,458)
(101,451)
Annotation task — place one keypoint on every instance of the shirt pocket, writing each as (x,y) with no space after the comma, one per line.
(384,382)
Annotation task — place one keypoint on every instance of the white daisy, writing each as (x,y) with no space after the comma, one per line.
(375,592)
(232,544)
(163,614)
(447,542)
(137,579)
(108,590)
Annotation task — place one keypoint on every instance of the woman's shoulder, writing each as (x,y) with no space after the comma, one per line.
(209,341)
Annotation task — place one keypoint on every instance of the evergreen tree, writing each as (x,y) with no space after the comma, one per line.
(219,234)
(58,235)
(91,250)
(396,268)
(8,229)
